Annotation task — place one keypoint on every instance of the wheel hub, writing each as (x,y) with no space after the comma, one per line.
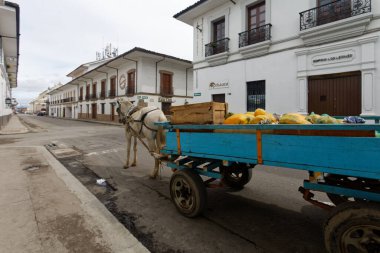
(183,194)
(358,239)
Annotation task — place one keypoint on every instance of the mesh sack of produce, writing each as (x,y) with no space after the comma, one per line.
(293,118)
(312,118)
(326,119)
(237,119)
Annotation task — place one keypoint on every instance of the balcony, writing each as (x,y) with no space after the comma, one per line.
(256,35)
(88,97)
(93,96)
(217,47)
(338,20)
(332,12)
(111,93)
(80,98)
(102,95)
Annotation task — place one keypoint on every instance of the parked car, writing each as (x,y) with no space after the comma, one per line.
(41,113)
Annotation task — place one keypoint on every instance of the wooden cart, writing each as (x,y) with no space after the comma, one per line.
(343,161)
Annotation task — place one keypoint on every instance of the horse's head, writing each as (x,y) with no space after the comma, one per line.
(123,107)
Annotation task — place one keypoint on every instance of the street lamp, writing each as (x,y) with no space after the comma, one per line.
(8,101)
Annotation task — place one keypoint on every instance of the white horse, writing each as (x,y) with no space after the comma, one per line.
(139,123)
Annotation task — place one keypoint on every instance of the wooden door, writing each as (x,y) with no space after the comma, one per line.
(94,108)
(336,95)
(112,112)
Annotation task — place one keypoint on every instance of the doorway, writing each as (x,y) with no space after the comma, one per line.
(336,95)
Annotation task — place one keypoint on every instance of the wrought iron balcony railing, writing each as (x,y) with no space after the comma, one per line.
(80,98)
(217,47)
(88,97)
(111,93)
(93,96)
(332,12)
(256,35)
(102,95)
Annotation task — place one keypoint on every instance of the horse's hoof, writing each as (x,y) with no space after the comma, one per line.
(133,165)
(125,167)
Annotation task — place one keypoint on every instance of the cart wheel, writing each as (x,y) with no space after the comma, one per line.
(353,227)
(349,182)
(188,192)
(237,175)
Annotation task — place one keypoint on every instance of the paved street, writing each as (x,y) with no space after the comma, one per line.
(269,215)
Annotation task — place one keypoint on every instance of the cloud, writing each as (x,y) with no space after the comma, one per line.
(57,36)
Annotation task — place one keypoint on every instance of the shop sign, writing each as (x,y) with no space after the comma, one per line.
(343,56)
(142,97)
(166,100)
(220,85)
(197,94)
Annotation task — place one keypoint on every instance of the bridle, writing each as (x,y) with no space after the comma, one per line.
(127,119)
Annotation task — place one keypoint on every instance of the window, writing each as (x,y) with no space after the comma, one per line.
(219,29)
(221,98)
(81,109)
(103,88)
(166,84)
(131,83)
(333,10)
(255,95)
(256,15)
(112,87)
(81,94)
(102,108)
(256,24)
(93,90)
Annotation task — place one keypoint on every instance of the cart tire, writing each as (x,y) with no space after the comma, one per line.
(237,175)
(188,192)
(353,227)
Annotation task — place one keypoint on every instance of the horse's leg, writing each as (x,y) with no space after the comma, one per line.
(128,135)
(153,148)
(134,151)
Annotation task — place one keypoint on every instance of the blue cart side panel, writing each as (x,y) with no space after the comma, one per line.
(351,156)
(214,145)
(341,155)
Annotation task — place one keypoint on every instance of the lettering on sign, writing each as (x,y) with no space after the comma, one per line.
(333,58)
(221,85)
(166,100)
(197,94)
(142,97)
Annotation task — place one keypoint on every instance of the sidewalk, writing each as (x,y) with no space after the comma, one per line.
(14,126)
(44,208)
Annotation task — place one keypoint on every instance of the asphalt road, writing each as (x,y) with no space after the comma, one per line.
(268,215)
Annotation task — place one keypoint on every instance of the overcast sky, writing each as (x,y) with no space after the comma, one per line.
(59,35)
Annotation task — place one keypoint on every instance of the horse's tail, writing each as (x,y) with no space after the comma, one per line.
(161,134)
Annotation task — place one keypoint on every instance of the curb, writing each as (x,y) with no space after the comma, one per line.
(123,240)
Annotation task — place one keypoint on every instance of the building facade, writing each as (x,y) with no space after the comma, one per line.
(137,75)
(303,56)
(9,57)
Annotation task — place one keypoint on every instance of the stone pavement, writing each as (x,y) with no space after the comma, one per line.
(43,208)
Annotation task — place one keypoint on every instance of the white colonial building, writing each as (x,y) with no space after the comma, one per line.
(287,56)
(9,57)
(139,74)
